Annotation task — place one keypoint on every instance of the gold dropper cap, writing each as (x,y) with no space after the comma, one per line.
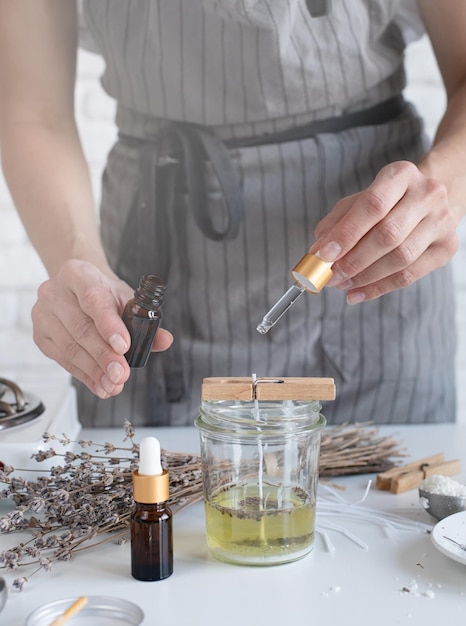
(150,489)
(312,273)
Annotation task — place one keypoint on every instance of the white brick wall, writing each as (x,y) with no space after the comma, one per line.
(21,270)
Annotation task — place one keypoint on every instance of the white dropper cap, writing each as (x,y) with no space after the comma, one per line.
(149,457)
(150,482)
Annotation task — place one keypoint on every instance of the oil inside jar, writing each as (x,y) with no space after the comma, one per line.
(256,524)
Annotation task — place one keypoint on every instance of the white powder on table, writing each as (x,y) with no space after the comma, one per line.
(444,486)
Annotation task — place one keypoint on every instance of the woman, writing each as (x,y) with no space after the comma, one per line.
(248,129)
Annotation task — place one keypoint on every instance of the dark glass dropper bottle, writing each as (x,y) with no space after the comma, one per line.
(151,518)
(142,316)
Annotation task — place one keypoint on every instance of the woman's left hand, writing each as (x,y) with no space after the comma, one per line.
(397,230)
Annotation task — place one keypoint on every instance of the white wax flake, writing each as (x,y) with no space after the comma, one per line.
(333,589)
(444,486)
(413,589)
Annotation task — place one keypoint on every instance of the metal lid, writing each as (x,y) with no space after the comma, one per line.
(16,406)
(99,611)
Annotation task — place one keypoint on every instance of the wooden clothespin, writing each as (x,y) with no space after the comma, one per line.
(248,389)
(406,477)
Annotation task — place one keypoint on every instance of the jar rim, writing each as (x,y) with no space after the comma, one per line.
(226,418)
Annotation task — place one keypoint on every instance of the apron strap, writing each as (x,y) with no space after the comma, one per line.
(195,146)
(186,148)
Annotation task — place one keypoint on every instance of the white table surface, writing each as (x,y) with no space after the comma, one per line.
(348,586)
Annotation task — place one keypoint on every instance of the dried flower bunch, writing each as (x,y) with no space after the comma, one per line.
(88,500)
(356,449)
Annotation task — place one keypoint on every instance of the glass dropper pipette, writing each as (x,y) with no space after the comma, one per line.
(310,274)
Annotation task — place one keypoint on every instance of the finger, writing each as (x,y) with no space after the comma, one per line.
(79,325)
(162,341)
(422,217)
(436,256)
(406,255)
(84,348)
(100,305)
(60,346)
(101,308)
(85,330)
(367,210)
(100,297)
(70,337)
(333,217)
(393,244)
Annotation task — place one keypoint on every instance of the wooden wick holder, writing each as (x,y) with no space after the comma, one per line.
(248,389)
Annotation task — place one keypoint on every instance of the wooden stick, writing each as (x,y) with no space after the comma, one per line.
(411,480)
(70,611)
(384,480)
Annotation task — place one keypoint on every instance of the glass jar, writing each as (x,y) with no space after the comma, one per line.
(260,472)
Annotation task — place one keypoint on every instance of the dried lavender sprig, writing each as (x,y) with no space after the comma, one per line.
(90,497)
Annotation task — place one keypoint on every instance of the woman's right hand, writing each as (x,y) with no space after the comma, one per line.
(77,322)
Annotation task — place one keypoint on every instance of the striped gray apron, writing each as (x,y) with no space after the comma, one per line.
(392,359)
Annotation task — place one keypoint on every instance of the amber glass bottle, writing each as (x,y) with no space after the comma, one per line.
(151,541)
(142,316)
(151,517)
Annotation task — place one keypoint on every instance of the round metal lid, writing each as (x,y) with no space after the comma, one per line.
(16,406)
(99,610)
